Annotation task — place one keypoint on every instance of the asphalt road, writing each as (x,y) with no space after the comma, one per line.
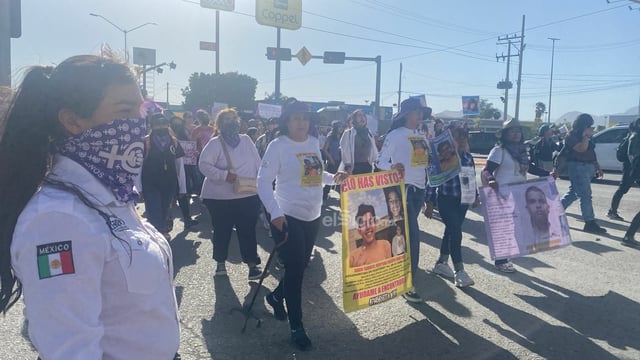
(580,302)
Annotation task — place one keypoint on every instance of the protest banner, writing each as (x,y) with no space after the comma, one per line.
(524,218)
(216,107)
(190,152)
(470,105)
(376,264)
(445,162)
(268,111)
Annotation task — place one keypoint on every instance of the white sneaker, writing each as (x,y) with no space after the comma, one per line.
(444,270)
(462,279)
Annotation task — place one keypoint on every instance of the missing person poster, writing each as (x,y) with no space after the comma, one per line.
(190,152)
(445,162)
(524,218)
(375,240)
(470,105)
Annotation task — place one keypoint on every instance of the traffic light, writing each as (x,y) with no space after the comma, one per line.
(283,54)
(333,57)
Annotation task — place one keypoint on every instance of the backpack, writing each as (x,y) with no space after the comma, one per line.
(621,151)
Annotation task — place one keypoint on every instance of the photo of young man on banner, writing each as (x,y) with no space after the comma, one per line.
(524,218)
(445,162)
(376,261)
(470,105)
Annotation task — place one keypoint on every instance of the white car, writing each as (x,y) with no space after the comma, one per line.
(607,142)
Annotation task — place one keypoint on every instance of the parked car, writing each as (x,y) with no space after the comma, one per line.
(481,142)
(607,142)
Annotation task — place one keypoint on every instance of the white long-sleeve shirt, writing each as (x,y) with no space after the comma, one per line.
(213,165)
(404,146)
(297,169)
(348,149)
(87,294)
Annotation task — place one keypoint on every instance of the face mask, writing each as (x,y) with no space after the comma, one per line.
(112,152)
(230,133)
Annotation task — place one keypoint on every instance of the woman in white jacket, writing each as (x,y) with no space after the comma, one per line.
(227,207)
(358,146)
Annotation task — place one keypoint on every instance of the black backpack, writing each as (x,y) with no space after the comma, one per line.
(621,151)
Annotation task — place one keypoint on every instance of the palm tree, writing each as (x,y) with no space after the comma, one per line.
(540,109)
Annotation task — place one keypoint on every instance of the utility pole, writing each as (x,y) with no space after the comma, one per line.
(400,87)
(217,43)
(506,84)
(521,50)
(553,51)
(167,94)
(277,90)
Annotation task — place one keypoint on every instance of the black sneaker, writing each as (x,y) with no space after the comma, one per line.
(631,242)
(300,339)
(412,296)
(613,215)
(255,273)
(594,228)
(278,308)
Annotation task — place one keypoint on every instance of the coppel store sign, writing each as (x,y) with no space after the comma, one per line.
(279,13)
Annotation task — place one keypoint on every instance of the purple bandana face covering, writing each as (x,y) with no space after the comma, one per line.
(112,152)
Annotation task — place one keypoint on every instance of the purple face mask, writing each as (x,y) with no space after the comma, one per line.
(112,152)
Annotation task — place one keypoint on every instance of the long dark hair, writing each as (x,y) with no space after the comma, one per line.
(78,84)
(581,123)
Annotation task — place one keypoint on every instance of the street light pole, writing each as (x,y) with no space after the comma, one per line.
(553,50)
(124,31)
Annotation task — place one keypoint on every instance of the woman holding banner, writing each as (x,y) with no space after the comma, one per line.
(508,162)
(453,212)
(294,208)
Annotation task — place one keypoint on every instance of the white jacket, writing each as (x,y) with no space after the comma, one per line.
(348,149)
(87,294)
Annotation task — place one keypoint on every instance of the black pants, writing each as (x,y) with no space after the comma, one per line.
(627,181)
(241,213)
(635,224)
(453,214)
(295,254)
(362,168)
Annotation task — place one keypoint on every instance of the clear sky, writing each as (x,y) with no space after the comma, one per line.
(447,48)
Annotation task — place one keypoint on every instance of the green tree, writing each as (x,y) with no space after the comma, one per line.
(540,109)
(236,90)
(487,111)
(271,98)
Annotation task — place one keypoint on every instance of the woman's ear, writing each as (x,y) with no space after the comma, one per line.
(70,121)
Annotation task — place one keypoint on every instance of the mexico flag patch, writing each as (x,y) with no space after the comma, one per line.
(55,259)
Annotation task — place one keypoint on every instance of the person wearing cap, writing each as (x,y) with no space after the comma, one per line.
(397,153)
(162,173)
(331,151)
(358,146)
(448,197)
(545,148)
(294,208)
(583,163)
(508,162)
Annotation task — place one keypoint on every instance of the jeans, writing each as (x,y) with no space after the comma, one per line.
(243,213)
(295,254)
(580,175)
(157,200)
(625,184)
(415,200)
(453,214)
(635,224)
